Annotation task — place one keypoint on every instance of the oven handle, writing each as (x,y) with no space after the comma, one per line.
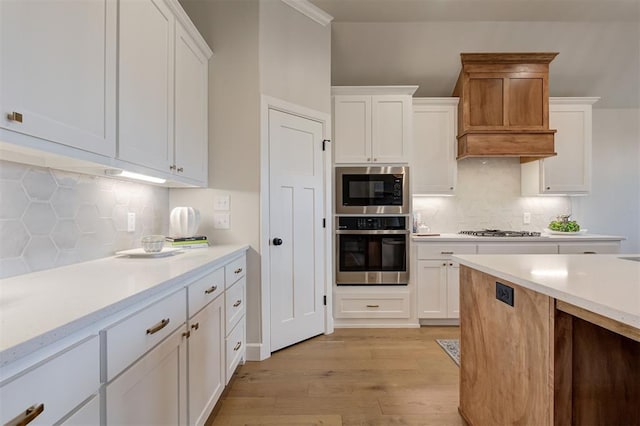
(374,232)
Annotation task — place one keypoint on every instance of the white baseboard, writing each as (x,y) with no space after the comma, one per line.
(256,352)
(452,321)
(371,325)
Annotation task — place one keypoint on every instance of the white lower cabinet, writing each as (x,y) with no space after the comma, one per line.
(206,360)
(235,348)
(153,390)
(49,387)
(591,248)
(88,414)
(438,289)
(372,305)
(517,248)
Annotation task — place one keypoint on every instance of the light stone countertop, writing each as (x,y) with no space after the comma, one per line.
(40,308)
(446,237)
(605,284)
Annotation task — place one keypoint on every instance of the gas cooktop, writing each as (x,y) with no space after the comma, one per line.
(500,233)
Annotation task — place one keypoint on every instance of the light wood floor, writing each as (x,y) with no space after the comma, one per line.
(351,377)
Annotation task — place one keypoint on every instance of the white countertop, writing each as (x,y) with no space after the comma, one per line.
(600,283)
(541,239)
(39,308)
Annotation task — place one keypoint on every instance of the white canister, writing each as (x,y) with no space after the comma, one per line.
(184,222)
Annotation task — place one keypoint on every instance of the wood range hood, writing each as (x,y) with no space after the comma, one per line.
(504,106)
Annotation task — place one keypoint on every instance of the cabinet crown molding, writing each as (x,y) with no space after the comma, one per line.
(310,10)
(189,26)
(453,100)
(373,90)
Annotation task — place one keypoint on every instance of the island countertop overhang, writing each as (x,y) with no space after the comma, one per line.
(608,285)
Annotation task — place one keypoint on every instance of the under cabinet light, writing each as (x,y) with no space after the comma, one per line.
(132,175)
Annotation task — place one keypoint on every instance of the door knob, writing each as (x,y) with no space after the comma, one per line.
(277,241)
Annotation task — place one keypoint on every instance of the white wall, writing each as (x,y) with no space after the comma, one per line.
(613,207)
(260,47)
(295,57)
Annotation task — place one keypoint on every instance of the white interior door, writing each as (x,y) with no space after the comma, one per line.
(296,249)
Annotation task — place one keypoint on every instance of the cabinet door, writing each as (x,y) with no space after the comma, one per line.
(453,290)
(570,170)
(391,131)
(589,248)
(58,70)
(352,129)
(517,248)
(433,151)
(145,103)
(206,361)
(88,414)
(153,390)
(432,288)
(191,100)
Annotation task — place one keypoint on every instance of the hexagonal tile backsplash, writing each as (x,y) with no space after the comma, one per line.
(51,218)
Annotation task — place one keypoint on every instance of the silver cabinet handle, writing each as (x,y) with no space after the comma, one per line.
(17,117)
(444,264)
(237,271)
(446,252)
(27,416)
(172,167)
(589,252)
(159,326)
(373,306)
(186,334)
(237,346)
(211,289)
(238,302)
(180,169)
(195,326)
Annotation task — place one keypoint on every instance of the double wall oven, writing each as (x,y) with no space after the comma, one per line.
(372,235)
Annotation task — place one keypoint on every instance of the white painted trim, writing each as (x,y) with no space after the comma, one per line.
(373,90)
(574,101)
(436,101)
(377,325)
(190,28)
(310,10)
(254,352)
(267,103)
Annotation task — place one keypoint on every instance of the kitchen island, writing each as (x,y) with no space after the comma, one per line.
(550,339)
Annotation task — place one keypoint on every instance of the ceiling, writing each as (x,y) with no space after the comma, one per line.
(391,42)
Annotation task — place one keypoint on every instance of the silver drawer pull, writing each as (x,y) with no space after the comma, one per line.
(238,302)
(589,252)
(373,306)
(195,326)
(237,346)
(27,416)
(159,326)
(446,252)
(237,271)
(211,289)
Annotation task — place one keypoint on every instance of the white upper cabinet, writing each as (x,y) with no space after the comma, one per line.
(570,171)
(145,102)
(163,96)
(191,140)
(58,72)
(433,158)
(372,124)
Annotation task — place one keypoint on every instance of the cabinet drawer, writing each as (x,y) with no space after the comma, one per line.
(235,303)
(591,248)
(89,414)
(60,384)
(129,339)
(235,270)
(388,305)
(517,248)
(235,348)
(204,290)
(443,250)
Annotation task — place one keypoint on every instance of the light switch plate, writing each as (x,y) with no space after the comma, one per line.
(222,202)
(526,218)
(131,222)
(221,221)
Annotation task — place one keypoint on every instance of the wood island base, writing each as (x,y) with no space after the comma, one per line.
(527,358)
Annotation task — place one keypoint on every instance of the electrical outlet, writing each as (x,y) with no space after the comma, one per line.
(526,218)
(221,221)
(222,202)
(131,222)
(504,293)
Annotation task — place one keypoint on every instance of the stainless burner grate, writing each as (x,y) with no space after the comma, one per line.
(500,233)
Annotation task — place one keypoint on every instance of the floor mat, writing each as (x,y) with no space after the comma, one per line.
(452,348)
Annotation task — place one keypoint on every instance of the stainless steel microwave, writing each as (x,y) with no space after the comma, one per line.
(372,190)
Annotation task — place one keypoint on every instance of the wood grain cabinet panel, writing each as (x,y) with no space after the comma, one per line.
(486,102)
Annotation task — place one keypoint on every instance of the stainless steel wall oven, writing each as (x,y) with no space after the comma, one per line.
(372,250)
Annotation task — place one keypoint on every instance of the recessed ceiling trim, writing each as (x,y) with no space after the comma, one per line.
(310,10)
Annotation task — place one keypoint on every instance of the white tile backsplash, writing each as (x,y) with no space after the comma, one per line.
(488,196)
(51,218)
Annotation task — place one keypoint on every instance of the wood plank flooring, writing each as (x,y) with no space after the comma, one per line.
(351,377)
